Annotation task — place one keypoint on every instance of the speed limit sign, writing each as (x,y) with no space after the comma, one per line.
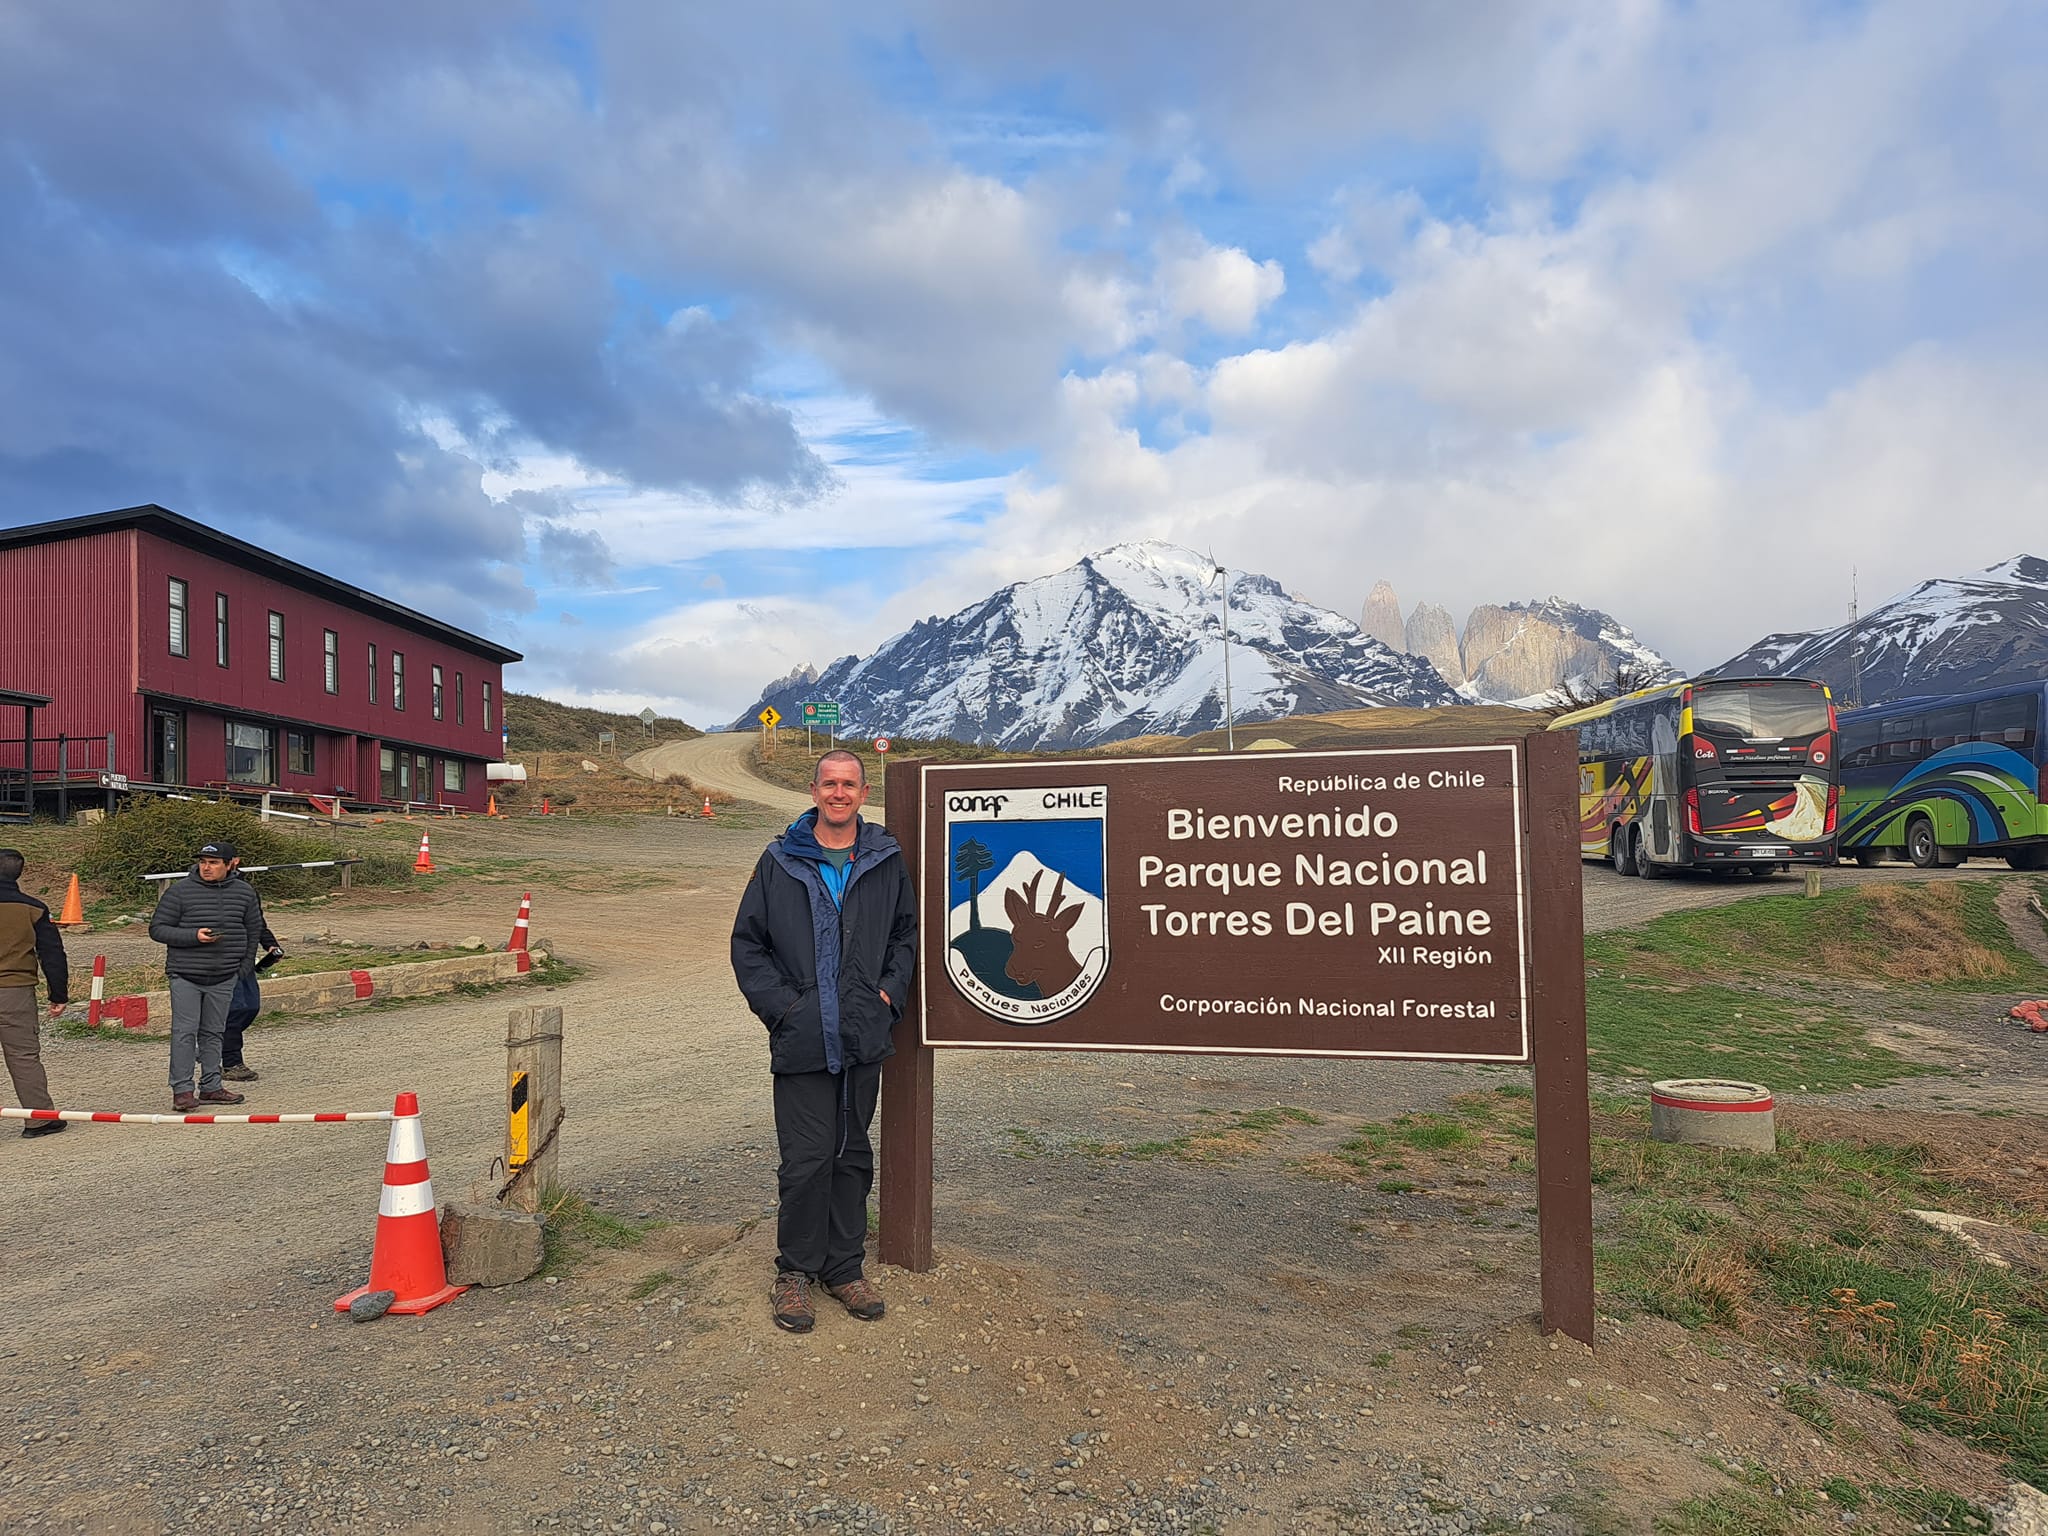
(882,744)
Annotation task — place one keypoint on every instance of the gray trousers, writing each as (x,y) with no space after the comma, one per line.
(23,1051)
(199,1018)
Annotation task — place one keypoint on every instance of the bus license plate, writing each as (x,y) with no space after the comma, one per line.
(1768,853)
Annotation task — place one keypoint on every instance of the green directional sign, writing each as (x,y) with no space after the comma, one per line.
(828,714)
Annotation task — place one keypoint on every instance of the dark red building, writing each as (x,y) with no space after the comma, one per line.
(211,662)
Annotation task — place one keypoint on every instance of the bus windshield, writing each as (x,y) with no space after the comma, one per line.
(1761,711)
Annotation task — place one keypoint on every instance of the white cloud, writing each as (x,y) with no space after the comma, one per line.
(1220,286)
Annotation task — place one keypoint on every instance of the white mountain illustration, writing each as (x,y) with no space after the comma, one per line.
(1087,929)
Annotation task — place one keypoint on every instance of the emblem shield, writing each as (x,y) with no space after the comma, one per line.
(1027,937)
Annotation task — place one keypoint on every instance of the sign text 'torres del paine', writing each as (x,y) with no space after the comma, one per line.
(1348,903)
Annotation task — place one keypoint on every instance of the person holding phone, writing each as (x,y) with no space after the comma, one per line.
(208,923)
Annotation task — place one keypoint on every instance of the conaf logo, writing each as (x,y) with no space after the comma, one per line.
(1027,933)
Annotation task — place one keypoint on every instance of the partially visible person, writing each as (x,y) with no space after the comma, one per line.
(248,999)
(29,942)
(208,923)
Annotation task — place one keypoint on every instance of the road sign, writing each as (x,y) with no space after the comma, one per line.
(828,714)
(648,717)
(881,744)
(770,716)
(810,714)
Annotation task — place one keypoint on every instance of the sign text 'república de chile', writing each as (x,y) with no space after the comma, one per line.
(1335,904)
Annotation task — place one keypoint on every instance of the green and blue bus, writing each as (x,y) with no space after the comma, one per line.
(1936,780)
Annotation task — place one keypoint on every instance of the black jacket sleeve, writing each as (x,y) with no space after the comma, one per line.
(50,956)
(902,953)
(764,983)
(167,924)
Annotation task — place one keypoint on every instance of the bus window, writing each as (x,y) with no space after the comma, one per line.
(1947,727)
(1771,712)
(2009,722)
(1860,743)
(1903,739)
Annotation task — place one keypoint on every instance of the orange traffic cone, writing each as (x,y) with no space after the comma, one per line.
(425,862)
(406,1258)
(492,810)
(521,922)
(73,915)
(707,805)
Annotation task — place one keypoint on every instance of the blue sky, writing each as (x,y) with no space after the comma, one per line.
(679,348)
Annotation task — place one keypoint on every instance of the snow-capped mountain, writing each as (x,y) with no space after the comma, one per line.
(1125,643)
(1943,636)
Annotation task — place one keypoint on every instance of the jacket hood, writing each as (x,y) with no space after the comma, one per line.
(800,839)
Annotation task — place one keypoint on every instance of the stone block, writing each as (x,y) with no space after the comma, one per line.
(489,1245)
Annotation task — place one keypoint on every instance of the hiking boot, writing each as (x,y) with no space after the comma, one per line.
(42,1128)
(220,1096)
(791,1299)
(184,1102)
(860,1298)
(240,1073)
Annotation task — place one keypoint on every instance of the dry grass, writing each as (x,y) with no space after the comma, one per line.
(607,790)
(1916,932)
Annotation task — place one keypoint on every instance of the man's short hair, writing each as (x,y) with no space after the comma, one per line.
(11,863)
(818,773)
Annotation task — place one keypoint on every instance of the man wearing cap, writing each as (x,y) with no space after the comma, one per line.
(209,924)
(29,941)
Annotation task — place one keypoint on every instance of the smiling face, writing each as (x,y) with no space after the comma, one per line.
(839,788)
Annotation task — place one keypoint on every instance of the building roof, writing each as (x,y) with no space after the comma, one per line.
(9,699)
(166,524)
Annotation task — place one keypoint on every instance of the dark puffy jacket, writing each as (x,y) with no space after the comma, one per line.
(231,909)
(813,971)
(28,939)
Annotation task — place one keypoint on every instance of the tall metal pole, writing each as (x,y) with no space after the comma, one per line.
(1229,719)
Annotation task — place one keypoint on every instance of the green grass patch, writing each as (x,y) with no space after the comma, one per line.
(649,1284)
(1243,1134)
(1931,1510)
(573,1229)
(1944,934)
(1639,1028)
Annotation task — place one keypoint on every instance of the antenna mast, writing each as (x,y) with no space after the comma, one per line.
(1855,647)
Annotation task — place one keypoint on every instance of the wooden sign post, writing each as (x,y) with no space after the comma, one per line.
(533,1103)
(1398,902)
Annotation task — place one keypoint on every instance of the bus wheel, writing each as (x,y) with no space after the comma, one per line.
(1869,858)
(1644,867)
(2035,857)
(1923,848)
(1618,849)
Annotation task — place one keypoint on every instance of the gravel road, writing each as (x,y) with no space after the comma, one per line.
(718,761)
(1113,1342)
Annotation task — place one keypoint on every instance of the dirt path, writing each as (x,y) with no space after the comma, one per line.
(1114,1341)
(718,762)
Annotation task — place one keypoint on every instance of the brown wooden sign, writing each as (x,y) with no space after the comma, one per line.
(1335,904)
(1405,902)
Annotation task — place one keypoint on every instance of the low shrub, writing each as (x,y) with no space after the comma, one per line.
(164,834)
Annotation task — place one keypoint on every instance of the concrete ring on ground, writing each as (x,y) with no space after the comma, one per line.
(1713,1112)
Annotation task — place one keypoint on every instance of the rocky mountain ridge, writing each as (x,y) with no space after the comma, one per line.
(1514,653)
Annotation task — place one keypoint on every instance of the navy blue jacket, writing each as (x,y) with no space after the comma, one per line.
(812,969)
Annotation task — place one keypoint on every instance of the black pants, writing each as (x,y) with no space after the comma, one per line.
(828,1167)
(242,1011)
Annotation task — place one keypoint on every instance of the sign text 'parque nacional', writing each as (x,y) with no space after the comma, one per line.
(1368,903)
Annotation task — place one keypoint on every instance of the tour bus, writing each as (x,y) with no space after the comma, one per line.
(1714,773)
(1935,780)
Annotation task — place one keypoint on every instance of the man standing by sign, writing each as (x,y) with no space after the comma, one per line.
(822,949)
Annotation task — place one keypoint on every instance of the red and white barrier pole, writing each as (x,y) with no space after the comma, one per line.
(99,991)
(521,923)
(117,1117)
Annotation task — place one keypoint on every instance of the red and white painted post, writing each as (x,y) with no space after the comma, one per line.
(99,992)
(521,923)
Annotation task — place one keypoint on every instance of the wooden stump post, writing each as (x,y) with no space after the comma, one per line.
(533,1101)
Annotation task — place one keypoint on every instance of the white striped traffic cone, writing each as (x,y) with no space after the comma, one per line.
(521,922)
(406,1258)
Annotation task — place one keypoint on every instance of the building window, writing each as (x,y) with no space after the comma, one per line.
(373,671)
(251,754)
(398,679)
(458,699)
(451,775)
(220,629)
(394,775)
(437,693)
(487,706)
(177,617)
(298,751)
(331,646)
(277,647)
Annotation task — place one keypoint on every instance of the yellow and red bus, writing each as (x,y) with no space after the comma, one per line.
(1709,773)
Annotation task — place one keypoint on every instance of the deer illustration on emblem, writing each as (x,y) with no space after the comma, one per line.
(1040,955)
